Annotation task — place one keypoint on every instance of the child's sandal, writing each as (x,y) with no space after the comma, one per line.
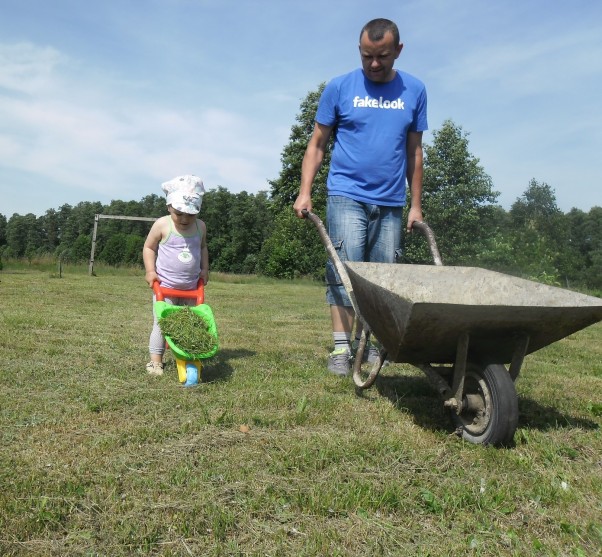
(154,368)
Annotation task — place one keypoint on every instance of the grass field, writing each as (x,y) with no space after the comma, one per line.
(270,455)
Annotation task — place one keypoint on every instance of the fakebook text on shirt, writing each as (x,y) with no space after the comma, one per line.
(369,102)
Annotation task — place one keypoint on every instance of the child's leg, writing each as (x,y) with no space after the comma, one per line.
(156,343)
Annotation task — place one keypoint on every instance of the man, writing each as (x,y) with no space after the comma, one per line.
(377,115)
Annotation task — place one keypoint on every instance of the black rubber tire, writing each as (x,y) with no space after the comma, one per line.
(492,390)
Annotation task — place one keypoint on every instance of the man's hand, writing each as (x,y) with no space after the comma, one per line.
(414,215)
(302,202)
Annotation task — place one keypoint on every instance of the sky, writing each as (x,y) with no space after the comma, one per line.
(106,100)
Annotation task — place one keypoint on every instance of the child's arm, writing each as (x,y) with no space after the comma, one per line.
(204,254)
(149,251)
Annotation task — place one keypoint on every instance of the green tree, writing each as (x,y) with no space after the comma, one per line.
(114,250)
(23,236)
(80,249)
(592,245)
(497,252)
(578,246)
(285,188)
(51,231)
(237,226)
(34,241)
(16,234)
(458,200)
(133,249)
(153,206)
(215,212)
(78,220)
(540,233)
(250,224)
(125,226)
(67,226)
(295,249)
(3,224)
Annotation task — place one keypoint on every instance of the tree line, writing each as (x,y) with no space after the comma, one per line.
(259,234)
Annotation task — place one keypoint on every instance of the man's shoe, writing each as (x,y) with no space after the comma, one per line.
(371,351)
(338,362)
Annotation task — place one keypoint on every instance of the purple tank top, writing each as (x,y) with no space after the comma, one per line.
(179,259)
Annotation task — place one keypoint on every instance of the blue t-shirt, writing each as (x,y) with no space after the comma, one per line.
(371,122)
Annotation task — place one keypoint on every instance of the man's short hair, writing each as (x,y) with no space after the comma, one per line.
(377,28)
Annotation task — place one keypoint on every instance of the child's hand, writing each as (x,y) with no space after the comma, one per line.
(151,277)
(205,276)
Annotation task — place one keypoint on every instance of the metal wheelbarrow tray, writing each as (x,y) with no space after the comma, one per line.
(460,326)
(418,312)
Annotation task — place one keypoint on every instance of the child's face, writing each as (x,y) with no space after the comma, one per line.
(181,219)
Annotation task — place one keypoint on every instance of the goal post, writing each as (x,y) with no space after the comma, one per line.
(97,217)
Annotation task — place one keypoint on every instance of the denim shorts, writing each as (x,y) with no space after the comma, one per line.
(360,232)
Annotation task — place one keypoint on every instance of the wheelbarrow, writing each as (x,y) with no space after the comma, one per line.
(468,329)
(189,365)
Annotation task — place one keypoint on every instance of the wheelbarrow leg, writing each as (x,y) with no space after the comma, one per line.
(518,357)
(453,397)
(455,402)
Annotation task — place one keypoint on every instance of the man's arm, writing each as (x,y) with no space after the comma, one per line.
(414,174)
(312,160)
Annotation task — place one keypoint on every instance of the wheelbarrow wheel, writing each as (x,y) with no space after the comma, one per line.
(489,414)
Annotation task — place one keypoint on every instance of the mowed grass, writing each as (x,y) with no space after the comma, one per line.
(270,455)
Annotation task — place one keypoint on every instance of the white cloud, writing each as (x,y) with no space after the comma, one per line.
(25,68)
(75,132)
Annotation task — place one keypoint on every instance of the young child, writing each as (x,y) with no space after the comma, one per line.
(175,253)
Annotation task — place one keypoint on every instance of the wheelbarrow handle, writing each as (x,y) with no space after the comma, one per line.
(430,238)
(418,225)
(344,276)
(335,259)
(332,253)
(162,291)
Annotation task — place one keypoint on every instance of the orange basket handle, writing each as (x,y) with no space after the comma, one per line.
(162,291)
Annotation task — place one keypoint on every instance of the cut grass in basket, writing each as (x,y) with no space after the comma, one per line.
(188,331)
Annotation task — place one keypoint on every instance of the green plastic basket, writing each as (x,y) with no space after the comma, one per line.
(162,309)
